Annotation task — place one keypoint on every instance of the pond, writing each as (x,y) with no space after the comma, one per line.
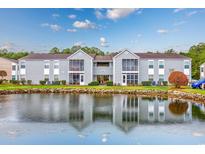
(99,119)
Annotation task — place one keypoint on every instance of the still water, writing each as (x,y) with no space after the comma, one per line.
(95,119)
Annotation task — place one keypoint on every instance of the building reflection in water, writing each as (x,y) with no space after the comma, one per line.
(125,112)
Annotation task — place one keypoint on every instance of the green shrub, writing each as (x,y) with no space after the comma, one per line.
(56,82)
(63,82)
(29,82)
(94,83)
(146,83)
(109,83)
(15,81)
(165,83)
(42,82)
(1,81)
(23,82)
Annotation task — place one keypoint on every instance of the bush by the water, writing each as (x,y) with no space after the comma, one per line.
(56,82)
(109,83)
(29,82)
(23,82)
(42,82)
(15,81)
(63,82)
(94,83)
(146,83)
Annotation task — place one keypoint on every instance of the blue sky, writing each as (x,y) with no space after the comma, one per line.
(108,29)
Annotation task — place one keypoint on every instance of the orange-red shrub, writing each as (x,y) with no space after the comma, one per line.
(178,79)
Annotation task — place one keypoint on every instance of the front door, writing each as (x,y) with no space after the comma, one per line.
(82,79)
(124,79)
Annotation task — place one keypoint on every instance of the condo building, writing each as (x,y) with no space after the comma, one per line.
(202,71)
(123,68)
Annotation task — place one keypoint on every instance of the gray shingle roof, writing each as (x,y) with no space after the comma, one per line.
(161,55)
(45,56)
(12,60)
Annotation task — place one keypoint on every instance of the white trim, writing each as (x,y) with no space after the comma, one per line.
(77,52)
(91,70)
(130,71)
(113,76)
(122,51)
(76,71)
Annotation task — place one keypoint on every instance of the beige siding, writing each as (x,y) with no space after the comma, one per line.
(6,65)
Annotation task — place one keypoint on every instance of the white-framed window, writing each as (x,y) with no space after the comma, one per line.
(151,77)
(151,64)
(23,65)
(161,77)
(186,64)
(13,67)
(202,70)
(46,65)
(56,65)
(22,77)
(46,77)
(56,77)
(161,64)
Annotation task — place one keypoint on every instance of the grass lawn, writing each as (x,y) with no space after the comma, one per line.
(162,88)
(14,87)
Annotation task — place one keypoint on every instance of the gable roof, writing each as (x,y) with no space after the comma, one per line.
(161,56)
(80,50)
(11,60)
(103,58)
(45,56)
(122,51)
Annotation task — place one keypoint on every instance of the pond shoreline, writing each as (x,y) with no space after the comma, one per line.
(148,93)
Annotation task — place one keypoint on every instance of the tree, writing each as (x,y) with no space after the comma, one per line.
(55,50)
(75,48)
(67,51)
(178,107)
(3,74)
(170,51)
(178,79)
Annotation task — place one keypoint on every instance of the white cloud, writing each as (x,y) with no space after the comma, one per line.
(79,43)
(179,23)
(53,27)
(115,14)
(72,30)
(178,10)
(84,24)
(103,42)
(99,14)
(55,15)
(9,46)
(72,16)
(162,31)
(192,13)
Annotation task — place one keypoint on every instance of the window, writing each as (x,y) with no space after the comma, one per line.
(202,69)
(22,77)
(186,64)
(132,79)
(46,77)
(102,64)
(151,64)
(13,67)
(82,78)
(13,77)
(161,77)
(56,65)
(74,78)
(23,65)
(46,65)
(130,65)
(56,77)
(76,65)
(161,64)
(150,77)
